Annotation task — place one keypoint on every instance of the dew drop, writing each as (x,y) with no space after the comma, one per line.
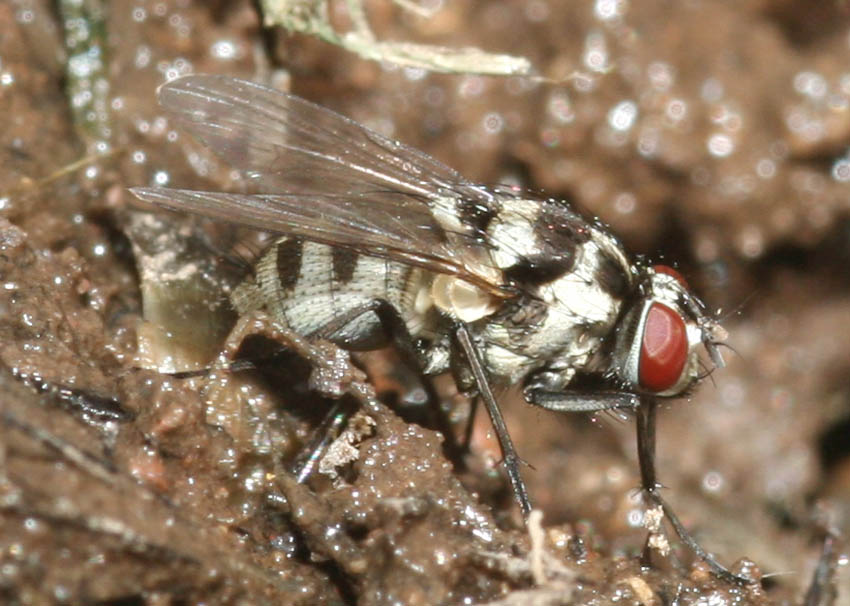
(623,115)
(841,170)
(720,145)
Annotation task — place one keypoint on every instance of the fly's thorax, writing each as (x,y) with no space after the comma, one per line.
(546,249)
(661,334)
(573,276)
(540,249)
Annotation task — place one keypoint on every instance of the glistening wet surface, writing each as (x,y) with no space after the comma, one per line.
(710,136)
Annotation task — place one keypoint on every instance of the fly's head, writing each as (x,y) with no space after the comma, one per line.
(661,334)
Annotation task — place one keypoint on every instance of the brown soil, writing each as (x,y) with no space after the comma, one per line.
(712,135)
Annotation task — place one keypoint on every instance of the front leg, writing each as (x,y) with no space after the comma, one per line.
(650,486)
(546,389)
(541,390)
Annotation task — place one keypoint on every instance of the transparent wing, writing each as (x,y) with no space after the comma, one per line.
(307,216)
(285,143)
(326,178)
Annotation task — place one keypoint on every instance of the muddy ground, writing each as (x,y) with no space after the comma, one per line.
(710,135)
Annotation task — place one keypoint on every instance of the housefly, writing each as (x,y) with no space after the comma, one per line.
(377,242)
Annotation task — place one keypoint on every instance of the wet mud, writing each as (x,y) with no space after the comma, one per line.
(710,135)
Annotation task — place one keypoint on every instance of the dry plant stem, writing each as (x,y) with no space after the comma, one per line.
(87,80)
(311,17)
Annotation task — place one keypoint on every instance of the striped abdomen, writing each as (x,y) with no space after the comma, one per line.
(306,286)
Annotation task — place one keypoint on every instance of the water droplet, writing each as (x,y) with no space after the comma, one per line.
(493,123)
(676,109)
(751,241)
(661,75)
(623,115)
(647,143)
(143,56)
(720,145)
(712,90)
(226,50)
(841,169)
(713,481)
(560,108)
(810,84)
(25,16)
(625,203)
(471,86)
(766,168)
(607,10)
(595,54)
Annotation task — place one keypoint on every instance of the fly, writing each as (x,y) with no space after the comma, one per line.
(378,241)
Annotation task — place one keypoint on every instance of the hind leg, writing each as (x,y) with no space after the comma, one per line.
(395,329)
(333,374)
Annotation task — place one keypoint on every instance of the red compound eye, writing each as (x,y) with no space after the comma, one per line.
(666,269)
(663,350)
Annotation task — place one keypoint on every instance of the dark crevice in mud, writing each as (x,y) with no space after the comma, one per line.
(833,253)
(285,374)
(824,263)
(834,443)
(807,24)
(131,600)
(347,589)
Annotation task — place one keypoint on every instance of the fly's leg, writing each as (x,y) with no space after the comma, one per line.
(822,591)
(233,366)
(330,429)
(470,425)
(645,409)
(566,401)
(510,459)
(396,329)
(391,321)
(333,376)
(649,483)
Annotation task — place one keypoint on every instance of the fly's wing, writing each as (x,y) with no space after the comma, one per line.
(326,178)
(334,220)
